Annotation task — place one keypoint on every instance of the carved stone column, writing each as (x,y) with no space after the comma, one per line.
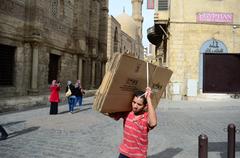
(34,78)
(103,69)
(80,65)
(93,74)
(81,25)
(94,27)
(103,27)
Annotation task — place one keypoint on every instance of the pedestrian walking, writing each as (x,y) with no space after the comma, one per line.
(79,93)
(54,97)
(71,96)
(3,132)
(137,124)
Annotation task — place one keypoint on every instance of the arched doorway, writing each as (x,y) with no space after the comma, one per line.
(209,46)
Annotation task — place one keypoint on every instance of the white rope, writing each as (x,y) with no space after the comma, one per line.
(147,76)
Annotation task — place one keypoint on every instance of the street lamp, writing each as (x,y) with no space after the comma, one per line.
(235,26)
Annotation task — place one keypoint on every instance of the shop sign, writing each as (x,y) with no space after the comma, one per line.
(214,17)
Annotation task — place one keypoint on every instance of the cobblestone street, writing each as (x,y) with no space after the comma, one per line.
(89,134)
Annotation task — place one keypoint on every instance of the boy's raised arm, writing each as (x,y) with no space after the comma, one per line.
(152,117)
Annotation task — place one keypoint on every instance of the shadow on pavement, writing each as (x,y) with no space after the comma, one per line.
(24,131)
(80,110)
(63,112)
(75,111)
(168,153)
(221,147)
(12,123)
(87,104)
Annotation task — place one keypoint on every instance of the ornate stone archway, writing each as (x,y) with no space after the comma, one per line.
(209,46)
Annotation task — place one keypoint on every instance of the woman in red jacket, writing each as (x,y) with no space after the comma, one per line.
(54,97)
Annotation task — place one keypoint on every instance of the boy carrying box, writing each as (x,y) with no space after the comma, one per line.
(136,125)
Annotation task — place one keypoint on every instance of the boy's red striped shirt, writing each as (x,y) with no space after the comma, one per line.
(135,136)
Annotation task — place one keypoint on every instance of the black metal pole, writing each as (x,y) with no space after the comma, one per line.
(231,140)
(202,146)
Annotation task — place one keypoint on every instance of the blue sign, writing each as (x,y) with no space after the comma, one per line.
(213,46)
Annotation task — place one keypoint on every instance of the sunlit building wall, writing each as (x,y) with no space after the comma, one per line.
(187,30)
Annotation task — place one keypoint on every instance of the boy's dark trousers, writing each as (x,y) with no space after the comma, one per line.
(122,156)
(3,132)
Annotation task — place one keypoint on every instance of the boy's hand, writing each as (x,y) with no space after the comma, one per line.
(148,92)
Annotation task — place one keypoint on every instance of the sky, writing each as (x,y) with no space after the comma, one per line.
(116,8)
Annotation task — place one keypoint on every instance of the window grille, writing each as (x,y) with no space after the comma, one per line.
(54,7)
(6,65)
(162,4)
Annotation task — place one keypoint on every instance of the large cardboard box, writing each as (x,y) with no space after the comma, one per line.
(124,76)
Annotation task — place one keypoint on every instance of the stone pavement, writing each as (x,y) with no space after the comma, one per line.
(89,134)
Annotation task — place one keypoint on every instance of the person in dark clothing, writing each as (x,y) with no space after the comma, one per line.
(72,97)
(3,132)
(79,93)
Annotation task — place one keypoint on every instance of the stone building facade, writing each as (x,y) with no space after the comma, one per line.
(125,32)
(55,39)
(187,30)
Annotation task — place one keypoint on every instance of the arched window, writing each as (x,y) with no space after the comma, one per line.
(115,48)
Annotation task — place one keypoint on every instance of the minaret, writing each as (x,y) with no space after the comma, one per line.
(137,15)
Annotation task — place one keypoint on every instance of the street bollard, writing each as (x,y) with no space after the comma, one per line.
(202,146)
(231,140)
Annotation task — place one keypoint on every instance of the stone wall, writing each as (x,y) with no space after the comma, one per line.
(73,30)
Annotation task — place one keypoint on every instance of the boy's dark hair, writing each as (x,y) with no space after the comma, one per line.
(141,95)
